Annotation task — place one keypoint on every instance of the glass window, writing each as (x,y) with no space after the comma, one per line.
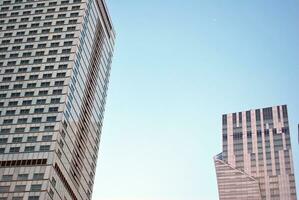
(22,176)
(38,176)
(44,148)
(6,178)
(31,138)
(19,188)
(29,149)
(14,149)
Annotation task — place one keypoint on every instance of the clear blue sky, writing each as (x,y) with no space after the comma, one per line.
(178,66)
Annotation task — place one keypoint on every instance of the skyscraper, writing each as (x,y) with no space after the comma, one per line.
(55,58)
(256,162)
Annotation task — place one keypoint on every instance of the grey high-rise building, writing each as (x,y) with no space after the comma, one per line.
(256,162)
(55,58)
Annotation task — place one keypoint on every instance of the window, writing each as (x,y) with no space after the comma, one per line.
(75,7)
(38,110)
(53,109)
(43,92)
(33,32)
(59,83)
(47,75)
(20,78)
(13,103)
(49,16)
(17,139)
(50,67)
(25,19)
(31,85)
(17,198)
(65,51)
(51,193)
(4,130)
(2,150)
(74,14)
(49,128)
(41,45)
(10,112)
(20,130)
(59,22)
(27,102)
(51,119)
(33,198)
(29,149)
(31,138)
(8,71)
(54,44)
(37,176)
(22,177)
(17,86)
(60,75)
(20,188)
(47,138)
(61,15)
(56,30)
(36,119)
(15,94)
(22,120)
(51,10)
(34,129)
(29,94)
(55,100)
(41,101)
(4,87)
(24,111)
(40,5)
(6,178)
(5,79)
(37,60)
(47,23)
(53,181)
(56,92)
(14,149)
(51,59)
(44,148)
(68,43)
(43,38)
(3,140)
(46,31)
(4,188)
(34,69)
(39,53)
(32,39)
(8,121)
(63,9)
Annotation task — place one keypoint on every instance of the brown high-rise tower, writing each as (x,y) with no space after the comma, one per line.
(256,162)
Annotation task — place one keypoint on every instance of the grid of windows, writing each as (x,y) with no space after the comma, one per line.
(55,59)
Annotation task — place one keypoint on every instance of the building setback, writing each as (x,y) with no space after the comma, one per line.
(55,58)
(256,162)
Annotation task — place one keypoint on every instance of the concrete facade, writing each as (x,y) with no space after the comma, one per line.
(55,59)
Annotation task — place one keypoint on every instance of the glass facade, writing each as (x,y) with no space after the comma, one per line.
(257,144)
(55,60)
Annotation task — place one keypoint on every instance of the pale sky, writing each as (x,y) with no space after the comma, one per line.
(178,66)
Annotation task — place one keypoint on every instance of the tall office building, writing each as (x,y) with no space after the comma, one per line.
(256,161)
(55,58)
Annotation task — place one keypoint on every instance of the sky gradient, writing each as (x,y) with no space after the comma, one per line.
(178,66)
